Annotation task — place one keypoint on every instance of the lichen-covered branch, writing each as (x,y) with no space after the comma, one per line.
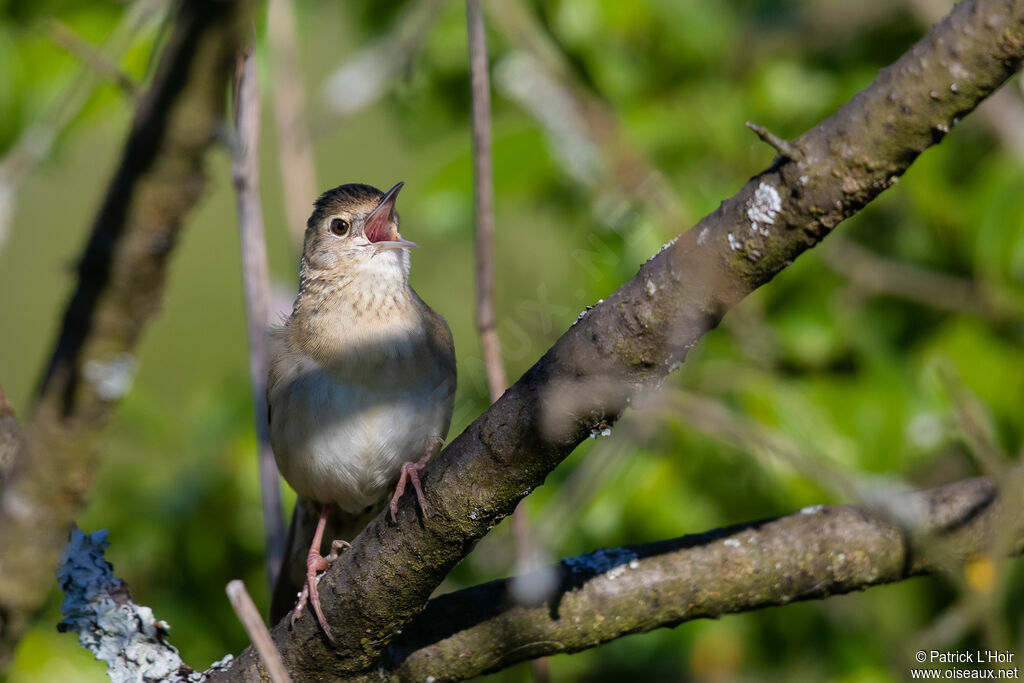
(815,553)
(98,607)
(629,342)
(126,636)
(121,276)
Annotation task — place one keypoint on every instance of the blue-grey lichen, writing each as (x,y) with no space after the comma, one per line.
(97,606)
(612,562)
(117,631)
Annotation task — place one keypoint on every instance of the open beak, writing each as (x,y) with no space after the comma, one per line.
(381,224)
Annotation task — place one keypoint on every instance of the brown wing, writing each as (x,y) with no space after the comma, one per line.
(444,351)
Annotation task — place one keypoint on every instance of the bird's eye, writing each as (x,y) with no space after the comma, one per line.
(339,226)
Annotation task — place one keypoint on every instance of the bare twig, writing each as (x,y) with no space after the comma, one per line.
(783,147)
(62,35)
(483,192)
(121,278)
(974,423)
(294,147)
(245,171)
(247,613)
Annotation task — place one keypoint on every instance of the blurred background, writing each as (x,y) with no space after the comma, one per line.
(889,357)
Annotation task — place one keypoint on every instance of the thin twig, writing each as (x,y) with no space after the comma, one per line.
(483,192)
(63,36)
(483,188)
(245,170)
(294,147)
(247,613)
(783,147)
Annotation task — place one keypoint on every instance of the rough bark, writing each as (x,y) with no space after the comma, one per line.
(818,552)
(629,342)
(120,283)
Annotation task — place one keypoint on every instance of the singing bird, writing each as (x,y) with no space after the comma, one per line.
(361,385)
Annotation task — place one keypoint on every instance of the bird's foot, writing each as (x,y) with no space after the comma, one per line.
(411,474)
(315,562)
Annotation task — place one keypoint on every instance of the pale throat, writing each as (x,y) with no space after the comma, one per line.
(372,306)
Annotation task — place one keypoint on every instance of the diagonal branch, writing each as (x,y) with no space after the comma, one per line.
(121,276)
(629,342)
(818,552)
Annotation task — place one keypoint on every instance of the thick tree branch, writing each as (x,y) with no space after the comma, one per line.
(816,553)
(630,341)
(120,284)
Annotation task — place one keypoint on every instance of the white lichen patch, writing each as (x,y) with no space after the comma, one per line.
(585,311)
(764,205)
(732,542)
(475,514)
(702,236)
(665,246)
(651,287)
(762,209)
(734,243)
(111,379)
(612,562)
(600,431)
(812,509)
(960,72)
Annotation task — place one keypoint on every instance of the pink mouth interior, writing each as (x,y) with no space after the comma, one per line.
(378,229)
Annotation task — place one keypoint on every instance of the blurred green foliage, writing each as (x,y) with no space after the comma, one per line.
(850,379)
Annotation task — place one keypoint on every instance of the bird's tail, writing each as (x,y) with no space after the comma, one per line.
(341,525)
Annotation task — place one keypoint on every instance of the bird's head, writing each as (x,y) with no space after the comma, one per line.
(354,231)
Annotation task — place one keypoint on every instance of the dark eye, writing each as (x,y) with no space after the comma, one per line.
(339,226)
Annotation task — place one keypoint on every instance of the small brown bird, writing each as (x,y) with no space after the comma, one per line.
(362,380)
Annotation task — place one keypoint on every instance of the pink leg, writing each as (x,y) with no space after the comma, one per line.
(315,562)
(411,473)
